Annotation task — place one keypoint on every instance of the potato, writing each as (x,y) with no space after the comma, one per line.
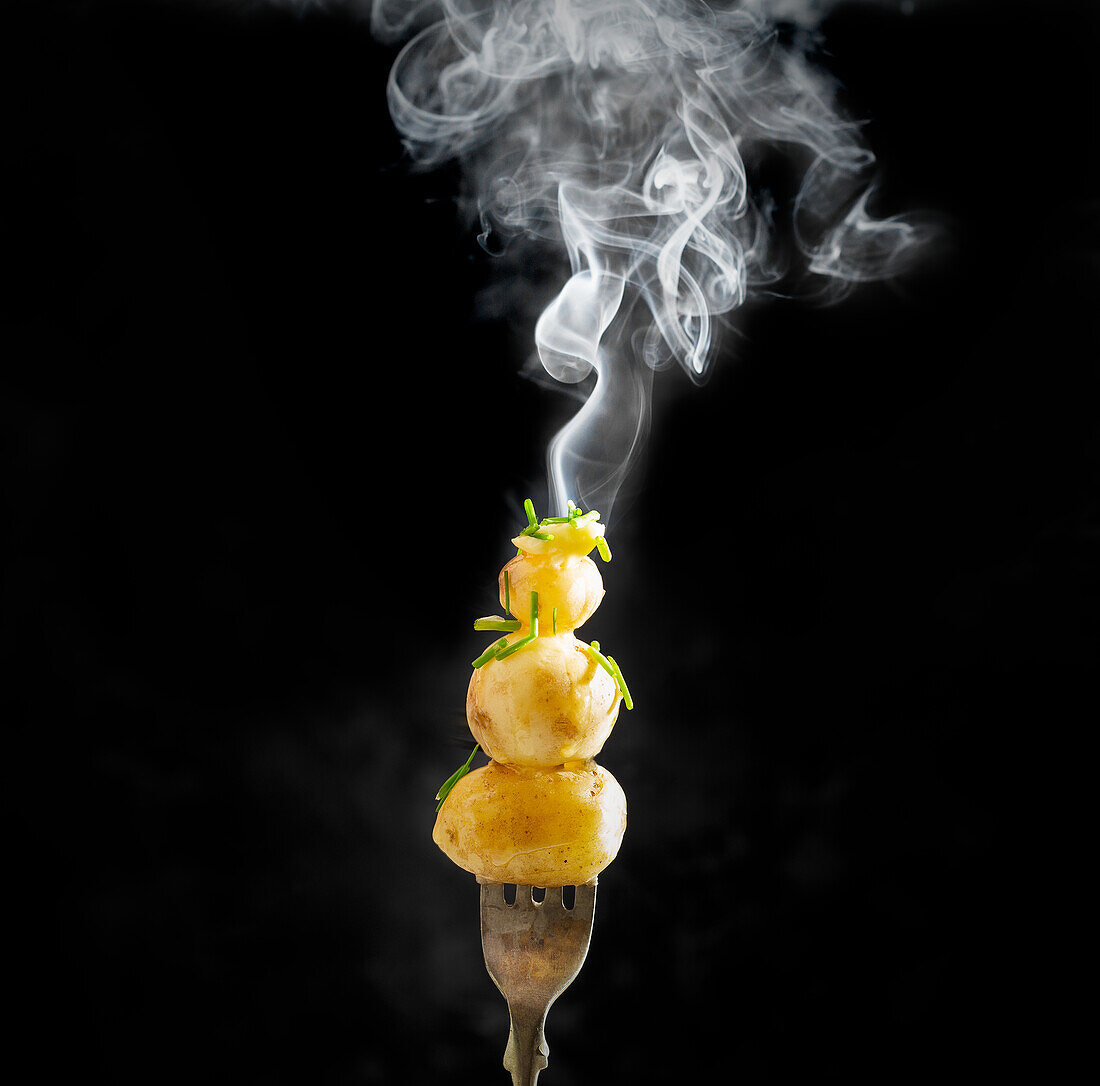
(578,538)
(534,827)
(546,704)
(568,582)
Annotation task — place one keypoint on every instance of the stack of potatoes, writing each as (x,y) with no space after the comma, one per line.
(542,812)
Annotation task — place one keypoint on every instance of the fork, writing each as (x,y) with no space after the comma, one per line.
(533,951)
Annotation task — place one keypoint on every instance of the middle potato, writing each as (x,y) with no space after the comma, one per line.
(546,704)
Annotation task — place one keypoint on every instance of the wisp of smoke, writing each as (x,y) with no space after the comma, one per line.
(622,136)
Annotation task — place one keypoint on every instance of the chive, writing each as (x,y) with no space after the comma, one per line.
(515,646)
(454,778)
(529,509)
(554,619)
(489,653)
(507,590)
(533,531)
(493,622)
(612,668)
(628,701)
(603,548)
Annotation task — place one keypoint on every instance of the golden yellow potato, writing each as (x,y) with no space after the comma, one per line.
(546,704)
(534,827)
(577,538)
(569,582)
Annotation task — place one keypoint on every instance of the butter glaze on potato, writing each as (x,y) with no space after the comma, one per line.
(533,827)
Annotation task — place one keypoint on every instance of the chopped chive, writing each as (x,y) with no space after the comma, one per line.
(603,548)
(489,653)
(612,668)
(454,778)
(507,590)
(533,531)
(628,701)
(584,518)
(494,622)
(515,646)
(554,619)
(529,509)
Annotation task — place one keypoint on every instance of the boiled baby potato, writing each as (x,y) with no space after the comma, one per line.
(545,704)
(568,584)
(534,827)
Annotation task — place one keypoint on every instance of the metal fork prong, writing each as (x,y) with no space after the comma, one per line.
(525,898)
(553,898)
(491,892)
(585,901)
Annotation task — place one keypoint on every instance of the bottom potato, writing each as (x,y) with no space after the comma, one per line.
(534,827)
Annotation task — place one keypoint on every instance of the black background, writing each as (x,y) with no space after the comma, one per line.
(261,462)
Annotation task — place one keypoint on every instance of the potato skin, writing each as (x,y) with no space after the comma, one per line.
(534,827)
(546,704)
(570,583)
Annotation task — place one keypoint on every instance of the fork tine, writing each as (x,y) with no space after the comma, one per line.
(553,897)
(585,902)
(492,893)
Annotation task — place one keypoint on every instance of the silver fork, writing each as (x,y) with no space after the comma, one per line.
(533,951)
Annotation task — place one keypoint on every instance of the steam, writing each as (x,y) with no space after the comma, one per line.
(614,142)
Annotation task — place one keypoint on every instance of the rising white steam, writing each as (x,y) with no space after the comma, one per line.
(623,135)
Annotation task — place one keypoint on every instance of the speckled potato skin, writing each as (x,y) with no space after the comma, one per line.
(546,704)
(533,827)
(569,582)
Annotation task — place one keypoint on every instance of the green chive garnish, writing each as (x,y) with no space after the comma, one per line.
(454,778)
(603,548)
(554,619)
(612,668)
(489,653)
(529,509)
(496,624)
(507,590)
(515,646)
(617,674)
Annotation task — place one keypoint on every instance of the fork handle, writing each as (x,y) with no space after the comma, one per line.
(527,1051)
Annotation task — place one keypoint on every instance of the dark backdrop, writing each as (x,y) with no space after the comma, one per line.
(261,462)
